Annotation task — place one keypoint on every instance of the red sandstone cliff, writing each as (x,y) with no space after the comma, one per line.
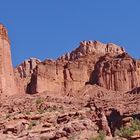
(7,83)
(106,65)
(95,87)
(120,73)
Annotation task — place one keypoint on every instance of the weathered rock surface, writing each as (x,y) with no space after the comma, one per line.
(57,117)
(23,73)
(95,87)
(120,73)
(70,72)
(7,83)
(91,47)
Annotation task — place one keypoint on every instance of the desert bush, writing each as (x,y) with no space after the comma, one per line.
(41,111)
(27,112)
(127,132)
(33,123)
(39,100)
(101,136)
(8,116)
(44,138)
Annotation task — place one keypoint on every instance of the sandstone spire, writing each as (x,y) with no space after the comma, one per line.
(7,83)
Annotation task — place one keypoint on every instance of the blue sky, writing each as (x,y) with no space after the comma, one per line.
(49,28)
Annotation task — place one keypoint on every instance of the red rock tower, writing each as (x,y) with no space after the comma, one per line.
(7,82)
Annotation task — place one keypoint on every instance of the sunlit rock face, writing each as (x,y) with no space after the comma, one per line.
(95,87)
(120,73)
(7,83)
(23,73)
(90,47)
(93,62)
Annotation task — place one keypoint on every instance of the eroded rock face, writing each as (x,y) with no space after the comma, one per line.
(91,47)
(58,76)
(71,71)
(120,73)
(95,87)
(47,76)
(93,62)
(26,68)
(23,73)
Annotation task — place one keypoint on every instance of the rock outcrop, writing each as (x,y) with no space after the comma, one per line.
(94,88)
(72,71)
(93,62)
(23,73)
(7,83)
(120,73)
(92,47)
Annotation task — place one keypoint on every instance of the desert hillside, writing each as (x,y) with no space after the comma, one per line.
(90,93)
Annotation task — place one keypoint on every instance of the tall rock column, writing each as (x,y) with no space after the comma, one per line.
(7,82)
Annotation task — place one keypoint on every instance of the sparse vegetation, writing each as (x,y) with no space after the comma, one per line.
(72,137)
(28,112)
(81,117)
(44,138)
(101,136)
(41,111)
(51,109)
(7,116)
(39,100)
(127,132)
(33,123)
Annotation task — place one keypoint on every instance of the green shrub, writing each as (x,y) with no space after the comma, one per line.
(33,123)
(39,100)
(41,111)
(28,112)
(101,136)
(44,138)
(127,132)
(30,127)
(52,109)
(8,116)
(135,124)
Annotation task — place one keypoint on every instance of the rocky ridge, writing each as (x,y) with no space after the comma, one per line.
(47,116)
(106,65)
(101,79)
(93,62)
